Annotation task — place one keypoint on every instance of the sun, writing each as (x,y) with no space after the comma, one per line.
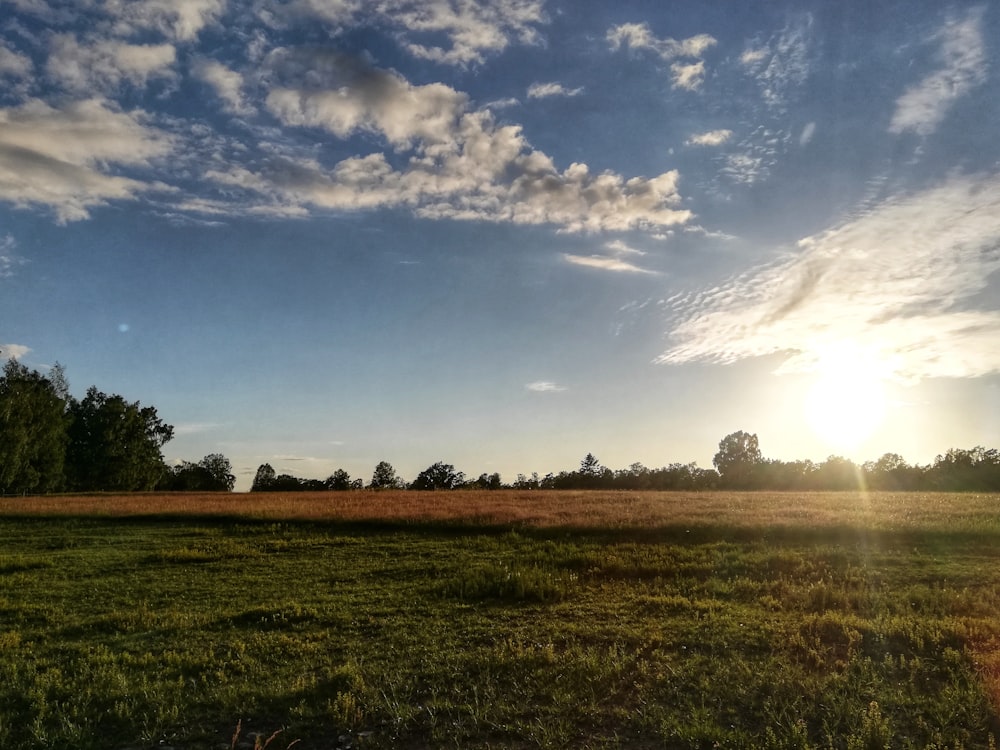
(847,403)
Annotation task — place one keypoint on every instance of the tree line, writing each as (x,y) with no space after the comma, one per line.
(53,442)
(739,465)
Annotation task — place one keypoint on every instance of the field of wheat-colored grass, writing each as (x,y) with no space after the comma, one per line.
(544,509)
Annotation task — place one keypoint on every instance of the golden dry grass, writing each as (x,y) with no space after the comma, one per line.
(572,509)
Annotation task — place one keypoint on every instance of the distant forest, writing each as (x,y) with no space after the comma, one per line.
(52,442)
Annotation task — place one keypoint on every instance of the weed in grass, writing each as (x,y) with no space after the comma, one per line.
(258,743)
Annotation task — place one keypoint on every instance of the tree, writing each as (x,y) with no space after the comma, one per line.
(590,466)
(438,476)
(264,478)
(384,477)
(33,426)
(490,481)
(739,455)
(114,445)
(183,477)
(287,483)
(220,470)
(524,483)
(339,481)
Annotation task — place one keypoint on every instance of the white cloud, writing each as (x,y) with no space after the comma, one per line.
(510,101)
(194,428)
(899,283)
(686,75)
(605,263)
(13,64)
(751,57)
(807,133)
(963,61)
(709,138)
(620,248)
(461,164)
(711,235)
(613,261)
(472,29)
(41,9)
(640,36)
(756,156)
(228,85)
(545,386)
(13,351)
(61,158)
(543,90)
(181,20)
(345,96)
(8,259)
(105,64)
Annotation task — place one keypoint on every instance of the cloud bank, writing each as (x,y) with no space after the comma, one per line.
(460,163)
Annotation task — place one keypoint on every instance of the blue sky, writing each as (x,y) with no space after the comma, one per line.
(505,234)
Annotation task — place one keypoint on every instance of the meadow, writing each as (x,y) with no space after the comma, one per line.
(504,619)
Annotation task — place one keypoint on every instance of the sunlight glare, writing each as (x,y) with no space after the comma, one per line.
(847,403)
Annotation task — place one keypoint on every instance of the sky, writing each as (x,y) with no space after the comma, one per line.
(505,233)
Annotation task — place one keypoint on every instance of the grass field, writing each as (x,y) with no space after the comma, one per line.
(501,619)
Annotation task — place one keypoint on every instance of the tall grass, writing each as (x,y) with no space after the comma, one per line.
(610,510)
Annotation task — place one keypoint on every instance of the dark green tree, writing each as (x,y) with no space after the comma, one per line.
(590,466)
(490,481)
(264,478)
(183,477)
(212,474)
(738,457)
(438,476)
(339,481)
(114,445)
(220,470)
(33,426)
(384,477)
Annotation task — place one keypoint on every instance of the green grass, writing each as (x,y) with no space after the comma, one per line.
(136,633)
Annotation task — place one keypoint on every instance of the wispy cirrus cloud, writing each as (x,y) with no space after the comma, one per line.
(8,259)
(964,64)
(780,65)
(545,90)
(898,282)
(545,386)
(614,260)
(195,428)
